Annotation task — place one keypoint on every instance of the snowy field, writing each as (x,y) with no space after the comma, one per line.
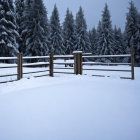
(69,107)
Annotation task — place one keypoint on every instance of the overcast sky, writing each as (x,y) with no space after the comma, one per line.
(93,9)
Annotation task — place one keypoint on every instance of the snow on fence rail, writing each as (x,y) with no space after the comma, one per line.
(105,56)
(8,58)
(108,64)
(35,57)
(78,64)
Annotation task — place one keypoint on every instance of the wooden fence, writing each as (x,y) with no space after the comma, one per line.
(78,63)
(112,64)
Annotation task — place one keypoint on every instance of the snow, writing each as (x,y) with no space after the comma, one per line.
(77,52)
(35,57)
(8,58)
(35,64)
(70,107)
(100,63)
(63,56)
(96,56)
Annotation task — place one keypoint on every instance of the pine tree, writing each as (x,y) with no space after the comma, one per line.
(82,42)
(25,24)
(19,19)
(56,36)
(137,51)
(106,37)
(131,30)
(35,25)
(93,40)
(8,29)
(131,25)
(119,43)
(68,32)
(99,35)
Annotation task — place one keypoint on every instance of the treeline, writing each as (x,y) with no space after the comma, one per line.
(25,28)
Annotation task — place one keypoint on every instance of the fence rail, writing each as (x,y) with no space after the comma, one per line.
(108,64)
(78,64)
(105,56)
(8,58)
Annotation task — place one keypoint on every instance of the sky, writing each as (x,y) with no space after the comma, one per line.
(93,10)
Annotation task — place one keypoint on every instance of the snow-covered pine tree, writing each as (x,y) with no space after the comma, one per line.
(131,29)
(26,22)
(99,35)
(82,42)
(19,19)
(119,43)
(68,32)
(137,51)
(106,39)
(56,37)
(35,25)
(8,29)
(93,40)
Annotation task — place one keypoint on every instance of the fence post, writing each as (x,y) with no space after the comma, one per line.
(51,65)
(132,64)
(77,62)
(19,67)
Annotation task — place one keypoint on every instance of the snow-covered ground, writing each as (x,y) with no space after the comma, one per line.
(69,107)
